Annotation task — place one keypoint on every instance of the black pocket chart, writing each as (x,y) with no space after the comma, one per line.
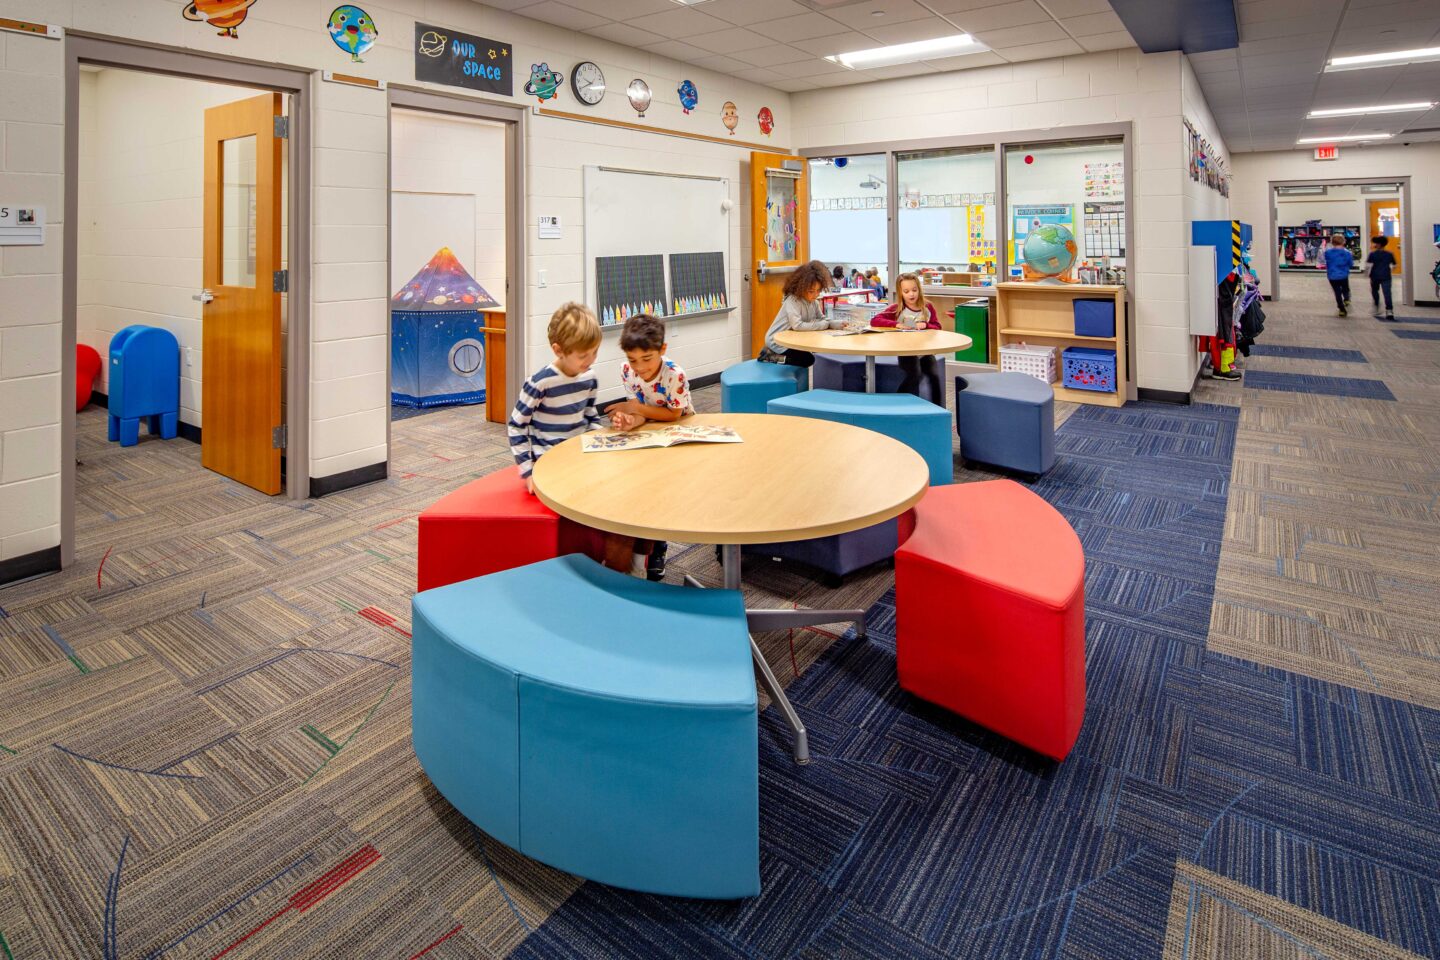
(447,56)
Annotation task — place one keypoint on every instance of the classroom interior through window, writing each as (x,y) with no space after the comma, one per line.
(1065,211)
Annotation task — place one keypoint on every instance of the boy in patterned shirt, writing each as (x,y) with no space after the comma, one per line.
(655,388)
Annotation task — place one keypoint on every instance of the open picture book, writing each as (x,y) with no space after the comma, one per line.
(663,437)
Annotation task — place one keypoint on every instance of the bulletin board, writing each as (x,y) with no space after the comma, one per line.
(1031,215)
(637,213)
(1105,229)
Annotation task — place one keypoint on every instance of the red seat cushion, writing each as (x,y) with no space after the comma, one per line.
(990,611)
(494,524)
(87,368)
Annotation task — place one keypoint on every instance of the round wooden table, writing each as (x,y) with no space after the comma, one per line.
(791,478)
(889,343)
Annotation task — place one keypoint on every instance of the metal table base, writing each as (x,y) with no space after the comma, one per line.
(780,619)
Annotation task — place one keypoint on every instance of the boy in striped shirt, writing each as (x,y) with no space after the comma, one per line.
(558,402)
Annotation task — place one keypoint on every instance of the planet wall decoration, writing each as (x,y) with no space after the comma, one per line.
(639,95)
(766,119)
(544,83)
(689,95)
(730,116)
(353,30)
(225,14)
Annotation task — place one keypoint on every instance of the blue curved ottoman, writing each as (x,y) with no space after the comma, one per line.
(599,723)
(748,386)
(834,371)
(917,423)
(1006,420)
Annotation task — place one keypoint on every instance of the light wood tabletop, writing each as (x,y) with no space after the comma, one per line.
(791,478)
(892,343)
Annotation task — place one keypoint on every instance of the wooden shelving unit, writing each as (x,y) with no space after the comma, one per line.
(1043,314)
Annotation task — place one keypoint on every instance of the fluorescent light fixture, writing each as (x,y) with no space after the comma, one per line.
(1392,59)
(1379,108)
(909,52)
(1347,137)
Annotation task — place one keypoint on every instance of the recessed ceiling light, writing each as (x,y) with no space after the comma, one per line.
(877,14)
(908,52)
(1348,136)
(1379,108)
(1392,59)
(689,3)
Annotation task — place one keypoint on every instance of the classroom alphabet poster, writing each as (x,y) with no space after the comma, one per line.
(1104,180)
(982,236)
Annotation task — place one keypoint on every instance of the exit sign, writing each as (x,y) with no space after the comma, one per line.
(1331,152)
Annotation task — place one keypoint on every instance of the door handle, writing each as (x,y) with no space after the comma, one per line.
(765,271)
(204,296)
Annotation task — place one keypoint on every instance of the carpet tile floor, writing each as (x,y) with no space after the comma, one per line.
(204,722)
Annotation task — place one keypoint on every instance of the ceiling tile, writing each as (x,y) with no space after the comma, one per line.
(809,68)
(1107,41)
(722,64)
(1061,9)
(746,12)
(770,56)
(838,43)
(1030,33)
(911,31)
(731,40)
(996,16)
(677,50)
(861,15)
(1041,51)
(678,24)
(564,16)
(804,27)
(626,34)
(1093,24)
(617,9)
(985,58)
(793,85)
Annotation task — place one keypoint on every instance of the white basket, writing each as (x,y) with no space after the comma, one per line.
(1033,361)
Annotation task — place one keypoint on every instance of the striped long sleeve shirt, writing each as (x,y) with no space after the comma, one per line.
(552,408)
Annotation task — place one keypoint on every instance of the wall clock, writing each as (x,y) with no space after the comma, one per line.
(639,94)
(588,83)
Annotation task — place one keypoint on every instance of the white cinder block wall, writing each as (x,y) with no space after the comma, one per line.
(31,171)
(1421,162)
(1108,87)
(1201,202)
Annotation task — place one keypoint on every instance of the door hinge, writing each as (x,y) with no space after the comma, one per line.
(280,283)
(282,128)
(280,437)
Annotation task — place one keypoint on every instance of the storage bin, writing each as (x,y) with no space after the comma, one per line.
(972,318)
(1094,317)
(1034,361)
(1088,368)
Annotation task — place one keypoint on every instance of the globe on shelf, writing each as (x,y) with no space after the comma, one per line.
(1048,253)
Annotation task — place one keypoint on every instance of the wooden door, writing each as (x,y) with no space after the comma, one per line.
(779,233)
(240,338)
(1385,222)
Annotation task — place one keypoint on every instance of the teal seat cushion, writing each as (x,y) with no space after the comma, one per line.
(919,424)
(748,386)
(602,724)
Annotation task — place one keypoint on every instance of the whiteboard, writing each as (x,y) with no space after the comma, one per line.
(630,212)
(849,236)
(935,235)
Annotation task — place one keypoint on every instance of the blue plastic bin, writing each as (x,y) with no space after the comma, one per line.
(1088,368)
(1094,317)
(144,384)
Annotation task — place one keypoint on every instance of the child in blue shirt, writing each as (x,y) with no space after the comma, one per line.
(1338,262)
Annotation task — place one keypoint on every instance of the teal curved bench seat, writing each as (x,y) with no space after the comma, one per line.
(748,386)
(599,723)
(919,424)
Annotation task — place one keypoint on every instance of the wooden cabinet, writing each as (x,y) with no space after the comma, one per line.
(1044,314)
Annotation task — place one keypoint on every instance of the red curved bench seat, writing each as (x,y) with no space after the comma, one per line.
(493,524)
(990,608)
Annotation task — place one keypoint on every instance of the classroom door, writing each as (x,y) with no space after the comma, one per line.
(240,336)
(1385,222)
(779,233)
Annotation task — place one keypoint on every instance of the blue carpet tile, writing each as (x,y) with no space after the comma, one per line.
(1308,353)
(1329,386)
(915,834)
(1417,334)
(1432,320)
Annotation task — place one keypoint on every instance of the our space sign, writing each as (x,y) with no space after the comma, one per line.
(459,59)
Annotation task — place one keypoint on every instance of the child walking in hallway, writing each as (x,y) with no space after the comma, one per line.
(1380,263)
(1338,262)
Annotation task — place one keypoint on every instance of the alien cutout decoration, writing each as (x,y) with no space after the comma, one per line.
(544,83)
(689,95)
(766,119)
(730,116)
(639,95)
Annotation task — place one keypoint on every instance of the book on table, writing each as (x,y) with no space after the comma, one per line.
(663,437)
(851,333)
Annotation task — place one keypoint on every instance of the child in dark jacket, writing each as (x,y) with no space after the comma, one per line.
(1338,262)
(910,311)
(1380,263)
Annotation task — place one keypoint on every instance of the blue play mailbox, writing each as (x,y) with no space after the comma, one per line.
(144,384)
